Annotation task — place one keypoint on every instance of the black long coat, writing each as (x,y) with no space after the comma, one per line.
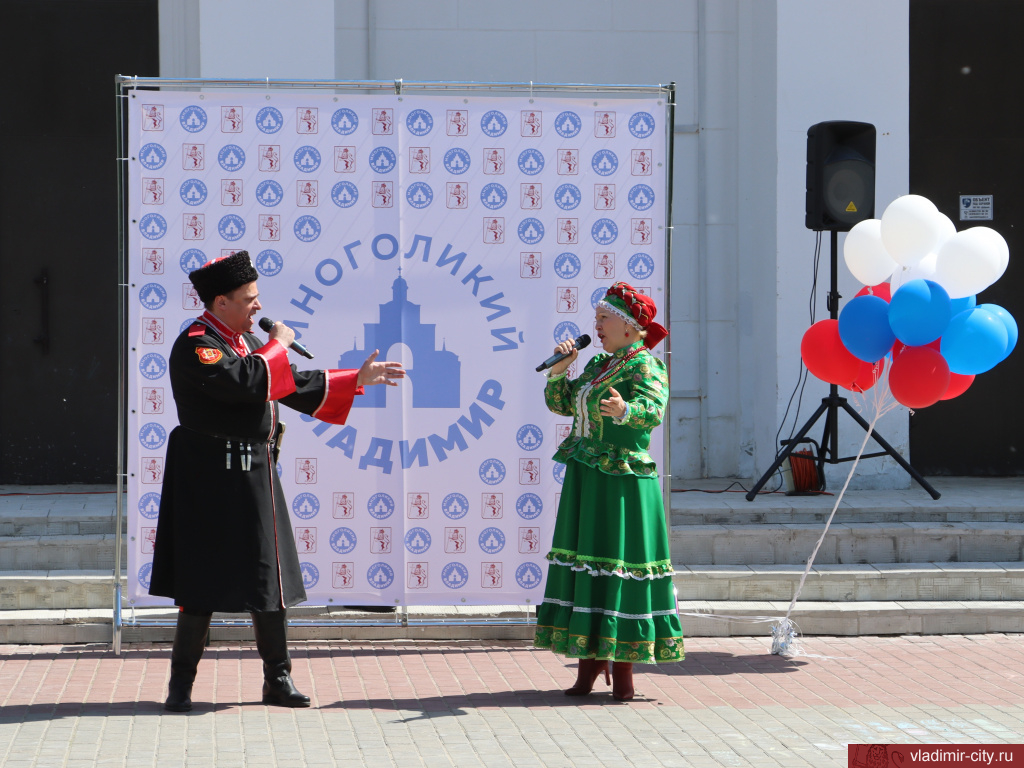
(224,538)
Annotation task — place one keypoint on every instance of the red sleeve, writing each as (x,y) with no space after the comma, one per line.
(339,391)
(280,382)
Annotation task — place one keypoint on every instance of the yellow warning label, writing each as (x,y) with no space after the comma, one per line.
(851,208)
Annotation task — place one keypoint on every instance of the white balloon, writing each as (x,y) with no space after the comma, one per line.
(865,255)
(923,270)
(946,228)
(970,261)
(911,229)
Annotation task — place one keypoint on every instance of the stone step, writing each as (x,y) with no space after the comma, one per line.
(704,618)
(57,589)
(848,543)
(86,551)
(853,583)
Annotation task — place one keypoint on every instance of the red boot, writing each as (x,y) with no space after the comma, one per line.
(586,675)
(622,674)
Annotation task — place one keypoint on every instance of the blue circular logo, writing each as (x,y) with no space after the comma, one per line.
(529,506)
(231,157)
(152,436)
(641,197)
(604,231)
(231,227)
(380,575)
(493,123)
(455,575)
(531,231)
(531,161)
(566,331)
(568,124)
(192,118)
(152,366)
(529,437)
(491,540)
(641,124)
(567,265)
(310,574)
(193,192)
(493,196)
(269,263)
(381,506)
(597,295)
(417,540)
(382,159)
(419,194)
(455,506)
(641,266)
(306,158)
(307,228)
(529,576)
(186,324)
(492,471)
(344,121)
(343,540)
(456,161)
(344,194)
(269,120)
(146,574)
(152,157)
(568,196)
(605,163)
(191,260)
(419,122)
(269,193)
(305,506)
(149,505)
(153,226)
(558,472)
(152,296)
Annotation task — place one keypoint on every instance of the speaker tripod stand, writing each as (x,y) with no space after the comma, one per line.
(828,450)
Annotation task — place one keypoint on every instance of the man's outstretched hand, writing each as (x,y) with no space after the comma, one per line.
(379,373)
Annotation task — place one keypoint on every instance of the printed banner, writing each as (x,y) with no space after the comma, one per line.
(464,237)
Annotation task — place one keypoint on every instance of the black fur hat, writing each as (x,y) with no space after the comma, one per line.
(221,276)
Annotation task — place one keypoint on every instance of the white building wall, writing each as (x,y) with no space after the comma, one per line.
(753,74)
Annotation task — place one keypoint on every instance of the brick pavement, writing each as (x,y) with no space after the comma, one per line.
(493,703)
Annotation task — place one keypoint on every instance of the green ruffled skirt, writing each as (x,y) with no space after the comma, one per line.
(609,589)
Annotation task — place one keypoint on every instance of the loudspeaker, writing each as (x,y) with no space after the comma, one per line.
(840,175)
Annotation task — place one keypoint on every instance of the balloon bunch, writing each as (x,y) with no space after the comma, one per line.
(925,321)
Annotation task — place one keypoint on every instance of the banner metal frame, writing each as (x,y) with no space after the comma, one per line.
(124,84)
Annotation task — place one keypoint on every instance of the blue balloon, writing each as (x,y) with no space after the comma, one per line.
(919,312)
(864,328)
(974,342)
(1009,322)
(959,305)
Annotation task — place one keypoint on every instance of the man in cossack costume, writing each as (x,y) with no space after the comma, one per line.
(224,539)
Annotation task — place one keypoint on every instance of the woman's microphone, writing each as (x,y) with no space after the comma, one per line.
(266,324)
(579,343)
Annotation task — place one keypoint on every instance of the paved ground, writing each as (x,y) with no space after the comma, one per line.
(730,703)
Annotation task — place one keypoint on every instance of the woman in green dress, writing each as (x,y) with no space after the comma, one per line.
(609,599)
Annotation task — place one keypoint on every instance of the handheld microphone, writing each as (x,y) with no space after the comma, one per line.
(579,343)
(266,324)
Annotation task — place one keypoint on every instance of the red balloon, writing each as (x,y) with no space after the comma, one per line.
(825,356)
(958,384)
(882,290)
(899,346)
(869,375)
(919,377)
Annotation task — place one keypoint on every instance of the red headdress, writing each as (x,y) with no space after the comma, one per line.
(639,310)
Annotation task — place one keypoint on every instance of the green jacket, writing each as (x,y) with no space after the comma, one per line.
(616,448)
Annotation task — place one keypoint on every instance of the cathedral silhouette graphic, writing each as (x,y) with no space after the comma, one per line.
(434,374)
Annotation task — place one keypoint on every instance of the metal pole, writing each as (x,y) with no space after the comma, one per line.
(670,130)
(121,161)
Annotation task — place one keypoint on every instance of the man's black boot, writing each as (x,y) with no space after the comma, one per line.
(271,630)
(189,642)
